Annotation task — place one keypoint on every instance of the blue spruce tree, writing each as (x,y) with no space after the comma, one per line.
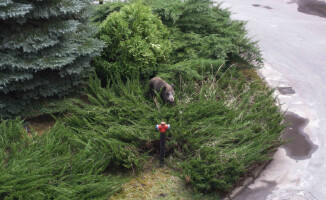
(45,50)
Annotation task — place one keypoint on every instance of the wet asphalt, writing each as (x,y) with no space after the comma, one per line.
(298,147)
(299,170)
(312,7)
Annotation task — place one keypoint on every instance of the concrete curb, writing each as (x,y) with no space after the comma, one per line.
(254,175)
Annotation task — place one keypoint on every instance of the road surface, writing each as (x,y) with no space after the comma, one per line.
(292,37)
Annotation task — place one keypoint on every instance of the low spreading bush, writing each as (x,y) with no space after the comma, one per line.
(220,128)
(201,30)
(203,38)
(221,123)
(222,132)
(61,164)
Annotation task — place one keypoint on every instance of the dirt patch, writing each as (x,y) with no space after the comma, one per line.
(251,74)
(299,146)
(312,7)
(40,124)
(159,183)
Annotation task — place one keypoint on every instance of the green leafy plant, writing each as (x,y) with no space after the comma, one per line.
(136,42)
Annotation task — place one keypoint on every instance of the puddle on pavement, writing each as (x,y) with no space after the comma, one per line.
(286,90)
(259,193)
(312,7)
(299,146)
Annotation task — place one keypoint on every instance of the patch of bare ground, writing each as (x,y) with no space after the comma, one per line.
(157,182)
(251,74)
(40,124)
(160,183)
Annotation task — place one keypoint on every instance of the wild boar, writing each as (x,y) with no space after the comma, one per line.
(159,84)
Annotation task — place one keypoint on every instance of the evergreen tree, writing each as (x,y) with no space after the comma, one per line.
(45,50)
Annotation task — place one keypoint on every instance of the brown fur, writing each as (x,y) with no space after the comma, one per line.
(157,84)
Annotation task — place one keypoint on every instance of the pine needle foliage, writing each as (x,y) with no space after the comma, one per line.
(204,37)
(61,164)
(219,129)
(222,132)
(201,29)
(221,123)
(45,50)
(103,11)
(136,42)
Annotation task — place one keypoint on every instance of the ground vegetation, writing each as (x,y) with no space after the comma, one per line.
(223,123)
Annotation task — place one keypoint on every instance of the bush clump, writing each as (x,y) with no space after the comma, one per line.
(220,128)
(225,128)
(202,30)
(136,42)
(64,163)
(204,38)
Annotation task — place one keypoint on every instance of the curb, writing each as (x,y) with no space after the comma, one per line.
(254,175)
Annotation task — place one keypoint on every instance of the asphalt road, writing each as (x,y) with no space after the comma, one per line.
(292,37)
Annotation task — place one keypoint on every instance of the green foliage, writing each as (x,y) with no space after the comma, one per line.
(62,164)
(136,41)
(120,115)
(202,35)
(45,50)
(222,132)
(219,129)
(12,139)
(221,125)
(203,38)
(107,134)
(103,11)
(200,29)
